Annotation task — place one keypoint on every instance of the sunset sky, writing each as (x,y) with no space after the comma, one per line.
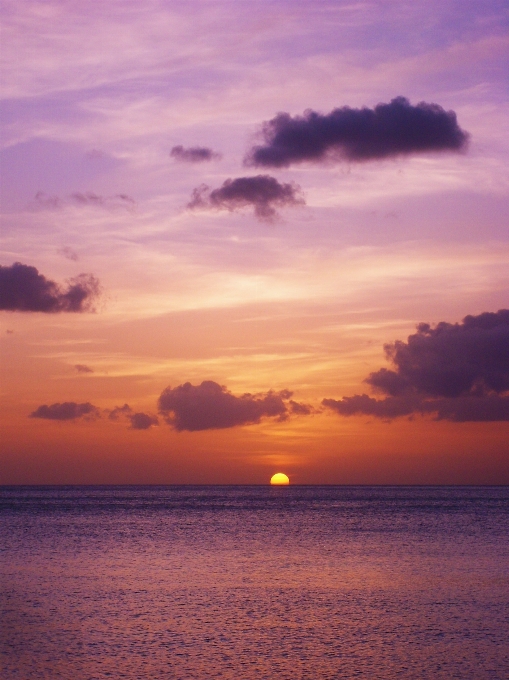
(223,211)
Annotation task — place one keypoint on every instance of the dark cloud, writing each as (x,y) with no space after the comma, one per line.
(456,371)
(210,406)
(23,289)
(357,134)
(142,421)
(300,409)
(194,154)
(139,421)
(263,192)
(68,410)
(81,368)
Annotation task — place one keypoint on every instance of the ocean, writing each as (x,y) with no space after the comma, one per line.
(245,582)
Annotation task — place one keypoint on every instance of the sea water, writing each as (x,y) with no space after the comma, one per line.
(245,582)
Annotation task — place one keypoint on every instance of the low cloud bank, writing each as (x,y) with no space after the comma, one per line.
(211,406)
(457,372)
(23,289)
(68,410)
(357,134)
(262,192)
(194,154)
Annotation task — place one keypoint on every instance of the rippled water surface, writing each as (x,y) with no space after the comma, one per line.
(254,582)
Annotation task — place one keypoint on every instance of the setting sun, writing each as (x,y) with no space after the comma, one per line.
(279,478)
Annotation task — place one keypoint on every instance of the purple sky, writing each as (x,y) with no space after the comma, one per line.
(297,290)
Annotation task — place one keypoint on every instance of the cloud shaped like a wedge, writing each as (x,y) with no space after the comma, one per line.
(262,192)
(357,134)
(211,406)
(456,372)
(23,289)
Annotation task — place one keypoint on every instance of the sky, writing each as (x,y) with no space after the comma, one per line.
(246,238)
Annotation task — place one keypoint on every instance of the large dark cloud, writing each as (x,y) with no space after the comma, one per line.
(456,371)
(68,410)
(194,154)
(263,192)
(23,289)
(357,134)
(210,406)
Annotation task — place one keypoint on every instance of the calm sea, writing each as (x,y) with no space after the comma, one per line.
(245,582)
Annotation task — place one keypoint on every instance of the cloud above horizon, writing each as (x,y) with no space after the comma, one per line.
(23,289)
(194,154)
(457,372)
(139,420)
(68,410)
(86,198)
(82,368)
(262,192)
(210,406)
(349,134)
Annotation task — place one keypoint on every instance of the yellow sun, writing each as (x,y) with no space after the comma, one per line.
(279,478)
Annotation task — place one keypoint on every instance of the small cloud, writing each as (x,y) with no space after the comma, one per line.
(139,421)
(110,202)
(9,331)
(81,368)
(142,421)
(364,134)
(210,406)
(194,154)
(87,198)
(43,200)
(23,289)
(68,410)
(457,372)
(300,409)
(95,154)
(68,253)
(120,411)
(263,192)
